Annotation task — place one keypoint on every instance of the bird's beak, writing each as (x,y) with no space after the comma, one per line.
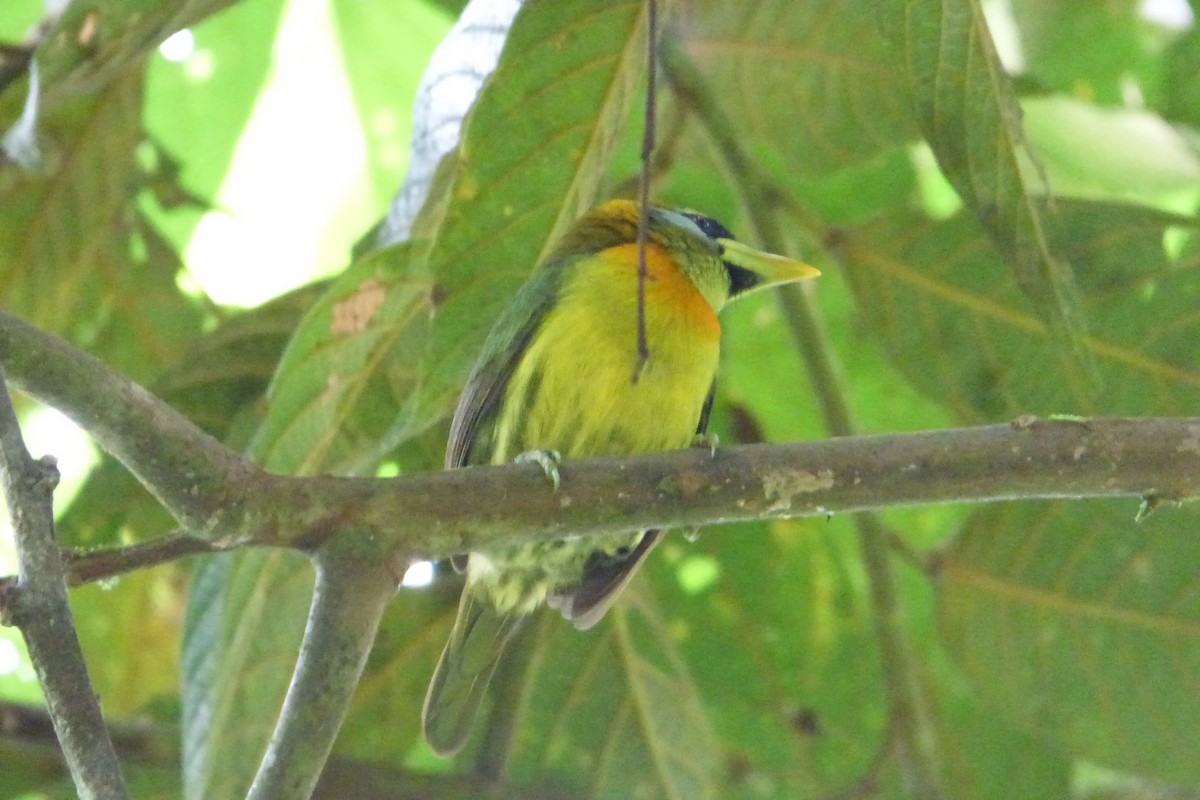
(766,269)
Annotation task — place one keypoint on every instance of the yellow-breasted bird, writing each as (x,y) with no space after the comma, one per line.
(561,372)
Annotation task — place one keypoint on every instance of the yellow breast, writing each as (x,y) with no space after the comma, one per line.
(577,389)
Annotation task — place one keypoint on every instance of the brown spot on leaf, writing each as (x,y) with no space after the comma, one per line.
(353,314)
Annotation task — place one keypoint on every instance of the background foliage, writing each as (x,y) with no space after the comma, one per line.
(995,241)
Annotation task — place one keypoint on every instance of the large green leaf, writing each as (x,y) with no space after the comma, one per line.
(965,105)
(811,82)
(940,300)
(534,152)
(611,712)
(1083,627)
(78,258)
(363,373)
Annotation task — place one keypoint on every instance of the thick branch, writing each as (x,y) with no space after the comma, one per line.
(194,476)
(38,606)
(441,513)
(436,514)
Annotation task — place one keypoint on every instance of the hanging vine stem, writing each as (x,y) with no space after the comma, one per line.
(643,230)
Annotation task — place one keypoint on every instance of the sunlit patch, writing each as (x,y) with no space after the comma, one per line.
(10,657)
(937,195)
(199,66)
(418,575)
(388,469)
(1173,14)
(179,46)
(698,573)
(48,432)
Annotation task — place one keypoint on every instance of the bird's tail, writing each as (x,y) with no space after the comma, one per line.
(464,671)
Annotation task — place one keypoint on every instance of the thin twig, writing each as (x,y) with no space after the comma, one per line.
(39,607)
(643,230)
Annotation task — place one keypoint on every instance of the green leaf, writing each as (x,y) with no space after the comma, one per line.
(534,151)
(965,104)
(986,758)
(362,374)
(199,108)
(812,85)
(384,44)
(1125,155)
(96,42)
(234,674)
(1119,39)
(347,389)
(79,260)
(1083,628)
(781,643)
(612,711)
(937,296)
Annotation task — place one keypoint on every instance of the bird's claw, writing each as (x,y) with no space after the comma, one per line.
(548,460)
(706,441)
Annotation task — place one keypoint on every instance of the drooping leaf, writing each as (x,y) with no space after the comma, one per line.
(612,712)
(940,300)
(965,105)
(79,261)
(812,85)
(1083,628)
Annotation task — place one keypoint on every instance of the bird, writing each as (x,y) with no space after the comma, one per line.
(562,375)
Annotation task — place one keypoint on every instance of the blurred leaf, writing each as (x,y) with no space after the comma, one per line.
(811,84)
(199,108)
(1116,37)
(782,647)
(1112,154)
(986,758)
(234,676)
(96,42)
(939,299)
(646,733)
(390,693)
(967,109)
(220,385)
(129,629)
(382,45)
(79,259)
(1180,89)
(1083,629)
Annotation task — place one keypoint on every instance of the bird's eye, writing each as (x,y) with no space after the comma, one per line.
(709,226)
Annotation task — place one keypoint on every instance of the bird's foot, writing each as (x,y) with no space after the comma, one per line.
(548,460)
(706,441)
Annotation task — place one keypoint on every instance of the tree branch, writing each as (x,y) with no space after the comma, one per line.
(354,585)
(37,604)
(195,477)
(223,502)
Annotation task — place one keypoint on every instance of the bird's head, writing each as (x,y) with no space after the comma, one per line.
(722,268)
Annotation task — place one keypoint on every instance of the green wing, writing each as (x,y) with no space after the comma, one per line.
(470,431)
